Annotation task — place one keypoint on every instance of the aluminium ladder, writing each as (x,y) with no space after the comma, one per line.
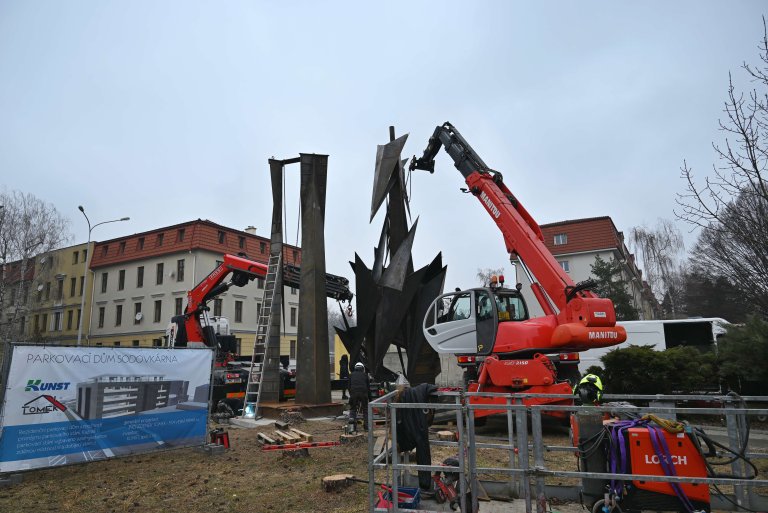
(266,318)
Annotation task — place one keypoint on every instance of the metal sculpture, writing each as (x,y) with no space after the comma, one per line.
(392,299)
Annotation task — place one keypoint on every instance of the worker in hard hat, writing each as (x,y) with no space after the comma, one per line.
(589,390)
(359,388)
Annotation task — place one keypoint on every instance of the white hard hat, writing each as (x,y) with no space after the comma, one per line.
(359,365)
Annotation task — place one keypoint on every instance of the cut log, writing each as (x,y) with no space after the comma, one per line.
(336,482)
(348,439)
(449,436)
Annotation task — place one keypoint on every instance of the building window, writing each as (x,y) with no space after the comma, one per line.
(57,321)
(59,289)
(260,283)
(293,316)
(160,237)
(295,255)
(180,270)
(241,242)
(136,313)
(72,287)
(141,243)
(37,323)
(561,238)
(118,315)
(258,310)
(117,343)
(178,304)
(47,290)
(70,315)
(85,255)
(104,250)
(157,342)
(238,311)
(293,291)
(121,279)
(262,247)
(140,277)
(180,235)
(101,317)
(217,307)
(82,284)
(158,310)
(104,279)
(121,248)
(292,350)
(565,265)
(135,343)
(74,257)
(45,322)
(222,237)
(78,318)
(159,278)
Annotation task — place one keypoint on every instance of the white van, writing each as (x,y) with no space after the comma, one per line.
(661,335)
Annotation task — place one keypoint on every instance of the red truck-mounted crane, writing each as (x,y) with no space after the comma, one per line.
(187,328)
(492,324)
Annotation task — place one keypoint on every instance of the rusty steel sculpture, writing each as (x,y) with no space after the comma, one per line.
(392,299)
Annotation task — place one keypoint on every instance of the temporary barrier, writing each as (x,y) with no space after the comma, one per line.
(67,405)
(527,471)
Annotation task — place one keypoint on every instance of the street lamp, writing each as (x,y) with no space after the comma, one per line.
(87,259)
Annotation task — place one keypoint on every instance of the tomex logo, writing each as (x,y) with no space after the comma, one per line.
(42,404)
(38,385)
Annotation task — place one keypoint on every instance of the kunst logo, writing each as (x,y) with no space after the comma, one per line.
(38,385)
(42,404)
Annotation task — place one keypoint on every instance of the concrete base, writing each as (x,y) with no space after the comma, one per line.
(10,480)
(250,423)
(273,410)
(211,449)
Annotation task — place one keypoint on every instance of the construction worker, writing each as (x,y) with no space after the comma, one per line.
(359,388)
(344,375)
(589,390)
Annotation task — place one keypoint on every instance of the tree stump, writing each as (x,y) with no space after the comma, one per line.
(336,482)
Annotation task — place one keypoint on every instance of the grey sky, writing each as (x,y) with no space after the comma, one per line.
(168,111)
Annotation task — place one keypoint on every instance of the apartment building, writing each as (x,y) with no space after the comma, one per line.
(140,281)
(110,395)
(16,279)
(55,293)
(575,245)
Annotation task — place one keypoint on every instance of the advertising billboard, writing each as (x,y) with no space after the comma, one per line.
(68,405)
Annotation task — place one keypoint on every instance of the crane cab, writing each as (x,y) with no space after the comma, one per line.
(466,322)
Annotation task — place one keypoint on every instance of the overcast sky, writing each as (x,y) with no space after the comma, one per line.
(168,111)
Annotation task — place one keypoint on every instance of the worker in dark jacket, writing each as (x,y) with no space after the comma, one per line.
(344,375)
(359,388)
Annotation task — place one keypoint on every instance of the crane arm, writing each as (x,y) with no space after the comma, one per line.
(522,235)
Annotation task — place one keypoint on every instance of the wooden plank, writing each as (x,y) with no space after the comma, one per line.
(306,437)
(265,439)
(287,436)
(279,424)
(378,445)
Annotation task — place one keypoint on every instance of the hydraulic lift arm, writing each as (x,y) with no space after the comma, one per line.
(523,238)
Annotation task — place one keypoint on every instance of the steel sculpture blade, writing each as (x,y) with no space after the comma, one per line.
(394,275)
(387,171)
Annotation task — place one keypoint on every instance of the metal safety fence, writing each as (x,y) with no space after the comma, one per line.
(526,472)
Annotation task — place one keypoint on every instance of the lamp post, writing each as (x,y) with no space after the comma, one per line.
(85,275)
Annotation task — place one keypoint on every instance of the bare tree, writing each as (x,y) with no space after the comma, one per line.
(484,275)
(28,226)
(731,205)
(661,251)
